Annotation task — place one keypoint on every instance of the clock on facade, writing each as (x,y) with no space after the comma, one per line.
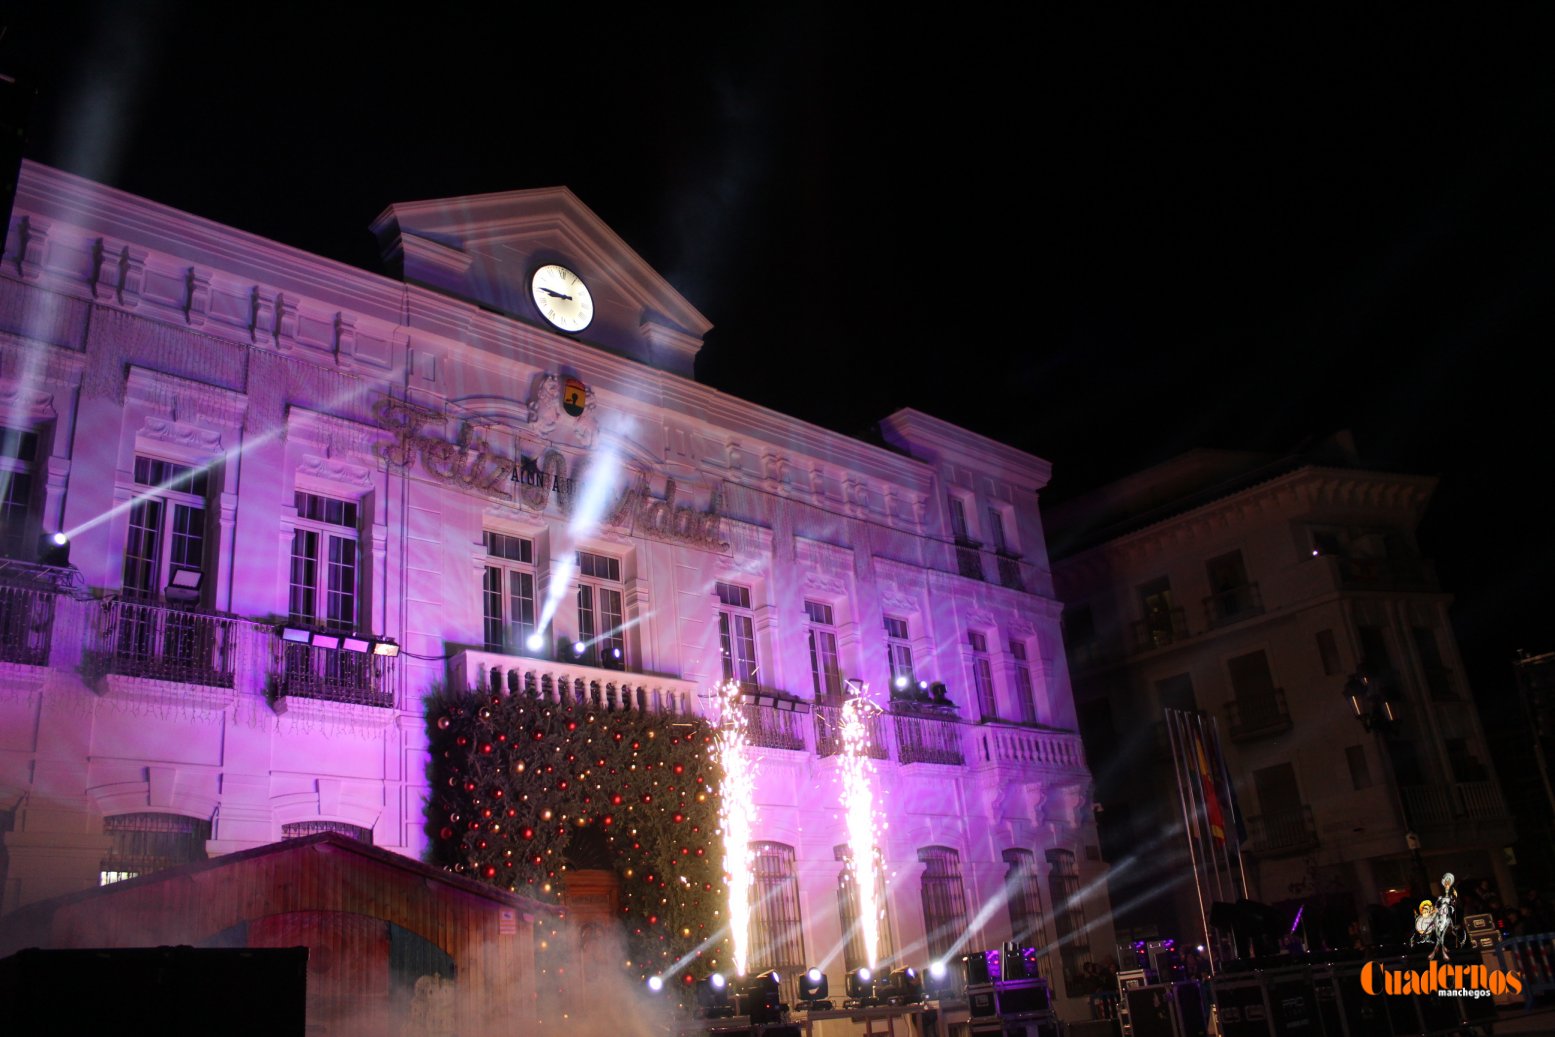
(562,297)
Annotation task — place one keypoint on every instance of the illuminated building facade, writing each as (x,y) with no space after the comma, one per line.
(302,497)
(1256,588)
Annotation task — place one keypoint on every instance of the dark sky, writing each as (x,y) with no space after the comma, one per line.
(1103,237)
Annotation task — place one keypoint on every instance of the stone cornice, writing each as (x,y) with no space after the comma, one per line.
(910,429)
(1293,494)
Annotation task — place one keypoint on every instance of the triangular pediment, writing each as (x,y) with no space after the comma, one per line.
(484,248)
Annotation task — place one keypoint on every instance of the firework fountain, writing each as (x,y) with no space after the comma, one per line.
(736,816)
(858,807)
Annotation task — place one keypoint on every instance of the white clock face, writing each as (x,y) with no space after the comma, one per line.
(562,298)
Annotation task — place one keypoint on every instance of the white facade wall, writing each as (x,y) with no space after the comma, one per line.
(130,330)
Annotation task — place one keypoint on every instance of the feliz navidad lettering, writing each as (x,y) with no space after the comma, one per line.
(469,463)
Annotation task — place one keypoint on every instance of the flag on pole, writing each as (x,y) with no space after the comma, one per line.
(1214,818)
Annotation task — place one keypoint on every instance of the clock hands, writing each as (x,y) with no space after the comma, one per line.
(555,295)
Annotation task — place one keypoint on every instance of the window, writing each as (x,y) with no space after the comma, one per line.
(777,936)
(996,530)
(1025,697)
(1438,681)
(1023,897)
(1328,651)
(968,562)
(1162,623)
(303,829)
(825,673)
(18,456)
(144,843)
(737,635)
(898,653)
(1232,596)
(982,676)
(1374,650)
(853,952)
(599,609)
(167,527)
(944,901)
(508,592)
(325,579)
(1068,915)
(1360,770)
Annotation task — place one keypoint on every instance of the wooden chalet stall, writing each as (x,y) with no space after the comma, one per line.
(394,945)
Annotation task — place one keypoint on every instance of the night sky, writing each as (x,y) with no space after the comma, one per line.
(1102,237)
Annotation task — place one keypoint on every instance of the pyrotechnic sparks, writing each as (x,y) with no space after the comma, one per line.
(858,808)
(737,817)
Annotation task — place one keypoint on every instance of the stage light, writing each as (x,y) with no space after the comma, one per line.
(902,987)
(712,996)
(974,968)
(54,550)
(534,642)
(386,648)
(900,683)
(939,981)
(578,648)
(861,987)
(322,640)
(923,685)
(297,635)
(761,999)
(356,644)
(813,990)
(183,587)
(655,984)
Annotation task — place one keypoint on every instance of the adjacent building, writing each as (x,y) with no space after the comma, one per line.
(1263,591)
(300,497)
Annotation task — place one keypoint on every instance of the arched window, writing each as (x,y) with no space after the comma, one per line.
(944,900)
(1023,897)
(777,933)
(853,951)
(1068,914)
(144,843)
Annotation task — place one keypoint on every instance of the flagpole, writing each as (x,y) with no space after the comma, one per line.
(1226,884)
(1236,808)
(1190,826)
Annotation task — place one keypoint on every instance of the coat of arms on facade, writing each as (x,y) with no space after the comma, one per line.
(564,410)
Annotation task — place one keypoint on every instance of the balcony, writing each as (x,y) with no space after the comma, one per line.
(1464,801)
(1281,834)
(1260,717)
(926,736)
(334,675)
(152,641)
(1160,629)
(828,733)
(1386,574)
(1009,572)
(26,624)
(969,559)
(571,682)
(1233,605)
(774,728)
(1004,743)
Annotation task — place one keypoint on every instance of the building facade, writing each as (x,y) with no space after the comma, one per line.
(300,498)
(1259,590)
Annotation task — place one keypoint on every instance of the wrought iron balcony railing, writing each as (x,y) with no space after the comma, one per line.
(1283,832)
(773,728)
(1159,629)
(969,559)
(1009,572)
(1258,717)
(150,640)
(926,738)
(571,682)
(26,624)
(333,674)
(828,732)
(1233,605)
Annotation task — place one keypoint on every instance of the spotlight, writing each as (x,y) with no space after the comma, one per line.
(386,648)
(939,982)
(54,550)
(323,640)
(578,648)
(356,644)
(183,587)
(903,987)
(974,968)
(655,984)
(534,642)
(923,685)
(712,996)
(297,635)
(900,683)
(861,989)
(813,990)
(761,999)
